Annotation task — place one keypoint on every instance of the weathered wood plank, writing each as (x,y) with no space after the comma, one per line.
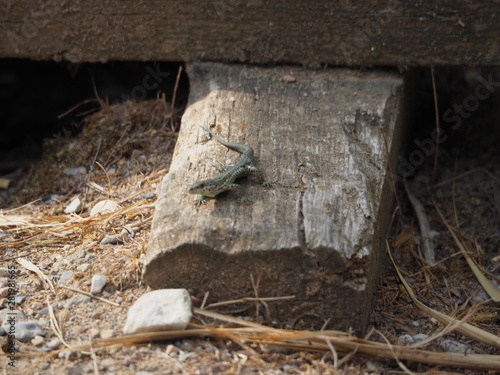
(316,233)
(310,32)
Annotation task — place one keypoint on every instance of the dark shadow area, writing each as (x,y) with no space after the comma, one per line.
(468,106)
(41,99)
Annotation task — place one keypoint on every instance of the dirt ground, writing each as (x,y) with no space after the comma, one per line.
(133,143)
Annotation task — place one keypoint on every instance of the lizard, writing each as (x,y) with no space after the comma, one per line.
(225,181)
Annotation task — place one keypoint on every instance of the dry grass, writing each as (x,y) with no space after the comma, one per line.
(133,144)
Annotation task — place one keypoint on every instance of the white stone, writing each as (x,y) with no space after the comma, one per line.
(107,333)
(98,283)
(74,206)
(54,344)
(37,340)
(83,267)
(105,206)
(160,310)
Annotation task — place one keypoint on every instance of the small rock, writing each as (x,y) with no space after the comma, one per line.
(454,347)
(104,206)
(38,340)
(79,299)
(107,333)
(406,339)
(183,357)
(420,337)
(65,276)
(19,299)
(479,297)
(148,196)
(125,235)
(83,267)
(370,366)
(44,323)
(110,240)
(2,331)
(98,283)
(24,331)
(75,171)
(51,199)
(45,311)
(54,344)
(74,206)
(164,309)
(89,257)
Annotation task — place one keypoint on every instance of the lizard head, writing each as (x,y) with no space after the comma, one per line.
(206,188)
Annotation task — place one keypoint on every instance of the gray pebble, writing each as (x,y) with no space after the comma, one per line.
(19,299)
(24,331)
(83,267)
(183,357)
(45,311)
(65,276)
(79,299)
(420,337)
(98,283)
(148,196)
(455,347)
(54,344)
(164,309)
(89,257)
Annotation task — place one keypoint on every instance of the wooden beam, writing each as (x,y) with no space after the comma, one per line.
(318,232)
(308,32)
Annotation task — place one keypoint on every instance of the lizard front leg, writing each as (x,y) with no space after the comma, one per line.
(260,176)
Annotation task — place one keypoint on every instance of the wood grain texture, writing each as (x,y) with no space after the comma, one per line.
(309,32)
(316,232)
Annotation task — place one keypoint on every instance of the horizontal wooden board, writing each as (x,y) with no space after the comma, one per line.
(309,32)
